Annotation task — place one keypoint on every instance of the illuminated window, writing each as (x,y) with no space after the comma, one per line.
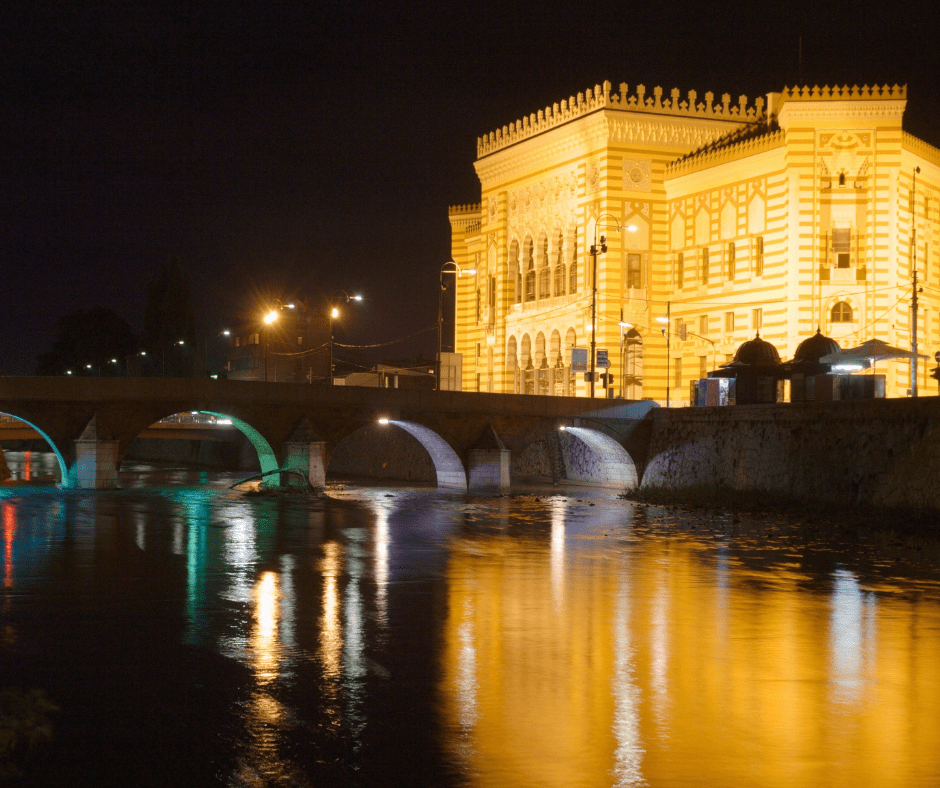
(528,258)
(731,254)
(703,325)
(757,319)
(515,275)
(634,278)
(841,313)
(705,266)
(842,246)
(703,366)
(680,269)
(573,268)
(759,255)
(729,322)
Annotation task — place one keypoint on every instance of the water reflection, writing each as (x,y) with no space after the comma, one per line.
(403,636)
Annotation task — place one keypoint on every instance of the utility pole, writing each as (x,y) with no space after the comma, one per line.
(914,295)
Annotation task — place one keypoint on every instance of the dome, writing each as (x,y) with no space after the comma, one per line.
(756,353)
(811,350)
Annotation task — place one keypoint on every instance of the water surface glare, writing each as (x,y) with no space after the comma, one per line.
(191,635)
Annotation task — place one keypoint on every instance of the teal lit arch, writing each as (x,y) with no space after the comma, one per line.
(63,465)
(266,456)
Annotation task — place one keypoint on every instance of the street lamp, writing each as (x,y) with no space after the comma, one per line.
(666,328)
(594,252)
(334,313)
(450,267)
(269,319)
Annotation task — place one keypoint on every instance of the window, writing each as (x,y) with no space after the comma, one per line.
(680,265)
(478,305)
(703,366)
(841,313)
(729,322)
(757,319)
(842,179)
(842,246)
(703,325)
(545,283)
(528,260)
(705,266)
(634,280)
(491,292)
(759,255)
(731,260)
(560,279)
(677,366)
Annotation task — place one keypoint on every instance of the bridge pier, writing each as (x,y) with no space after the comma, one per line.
(95,465)
(308,458)
(488,469)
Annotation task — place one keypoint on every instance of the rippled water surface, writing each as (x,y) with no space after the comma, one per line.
(192,635)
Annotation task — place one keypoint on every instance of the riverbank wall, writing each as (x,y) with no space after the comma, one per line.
(885,453)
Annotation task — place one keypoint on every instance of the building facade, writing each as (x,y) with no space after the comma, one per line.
(293,348)
(711,222)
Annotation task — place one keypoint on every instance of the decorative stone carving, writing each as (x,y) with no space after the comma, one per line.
(637,175)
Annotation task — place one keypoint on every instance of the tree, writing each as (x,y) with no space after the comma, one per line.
(94,341)
(169,325)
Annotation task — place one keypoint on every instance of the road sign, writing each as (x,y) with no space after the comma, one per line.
(579,359)
(602,361)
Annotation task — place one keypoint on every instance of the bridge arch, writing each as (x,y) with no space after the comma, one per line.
(447,465)
(267,459)
(63,465)
(606,463)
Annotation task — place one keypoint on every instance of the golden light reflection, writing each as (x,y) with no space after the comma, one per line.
(264,644)
(331,628)
(558,551)
(671,664)
(9,528)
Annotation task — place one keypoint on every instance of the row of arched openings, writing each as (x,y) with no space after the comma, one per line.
(544,269)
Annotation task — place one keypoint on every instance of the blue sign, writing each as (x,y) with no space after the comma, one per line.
(602,361)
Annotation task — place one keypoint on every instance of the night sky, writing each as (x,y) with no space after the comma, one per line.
(286,150)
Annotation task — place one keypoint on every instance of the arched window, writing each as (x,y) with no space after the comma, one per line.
(560,270)
(528,259)
(573,266)
(515,276)
(841,312)
(545,276)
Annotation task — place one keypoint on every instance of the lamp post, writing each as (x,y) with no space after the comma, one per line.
(269,319)
(667,333)
(914,295)
(334,313)
(595,250)
(450,267)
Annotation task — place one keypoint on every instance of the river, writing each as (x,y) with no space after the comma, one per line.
(189,634)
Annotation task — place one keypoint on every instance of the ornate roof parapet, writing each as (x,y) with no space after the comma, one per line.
(921,148)
(845,93)
(466,217)
(718,155)
(602,98)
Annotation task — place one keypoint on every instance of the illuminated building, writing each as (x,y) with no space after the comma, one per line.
(780,217)
(290,348)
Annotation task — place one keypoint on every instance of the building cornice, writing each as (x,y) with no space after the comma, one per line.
(602,98)
(920,148)
(795,113)
(593,132)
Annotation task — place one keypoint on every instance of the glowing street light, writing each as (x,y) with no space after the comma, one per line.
(334,313)
(594,251)
(450,267)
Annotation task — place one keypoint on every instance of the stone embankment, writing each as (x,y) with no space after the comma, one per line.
(884,453)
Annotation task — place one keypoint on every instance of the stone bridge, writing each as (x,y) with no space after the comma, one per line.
(90,422)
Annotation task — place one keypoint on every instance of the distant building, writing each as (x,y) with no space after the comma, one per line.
(788,215)
(294,348)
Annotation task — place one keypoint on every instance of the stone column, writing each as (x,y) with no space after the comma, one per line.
(489,469)
(307,458)
(96,460)
(95,465)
